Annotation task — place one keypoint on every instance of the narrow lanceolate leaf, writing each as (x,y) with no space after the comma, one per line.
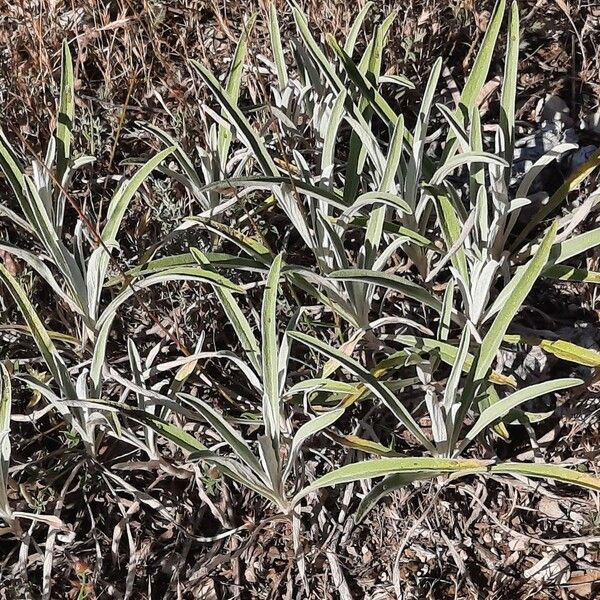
(33,260)
(386,487)
(542,471)
(566,273)
(198,451)
(458,130)
(578,244)
(526,279)
(238,120)
(276,184)
(66,113)
(362,444)
(5,410)
(228,434)
(178,436)
(314,426)
(560,252)
(452,228)
(215,259)
(458,367)
(369,380)
(12,168)
(122,198)
(369,91)
(370,254)
(384,198)
(277,48)
(465,158)
(477,182)
(37,214)
(362,143)
(387,466)
(251,246)
(135,363)
(415,165)
(509,85)
(394,156)
(99,260)
(238,472)
(434,466)
(559,348)
(361,391)
(355,29)
(505,405)
(309,429)
(315,52)
(270,346)
(392,282)
(40,335)
(174,274)
(236,317)
(322,384)
(192,178)
(539,165)
(108,315)
(479,73)
(445,316)
(398,230)
(335,118)
(234,80)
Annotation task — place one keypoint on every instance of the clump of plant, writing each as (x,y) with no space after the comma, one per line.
(337,159)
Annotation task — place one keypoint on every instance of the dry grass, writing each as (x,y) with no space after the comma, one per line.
(132,56)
